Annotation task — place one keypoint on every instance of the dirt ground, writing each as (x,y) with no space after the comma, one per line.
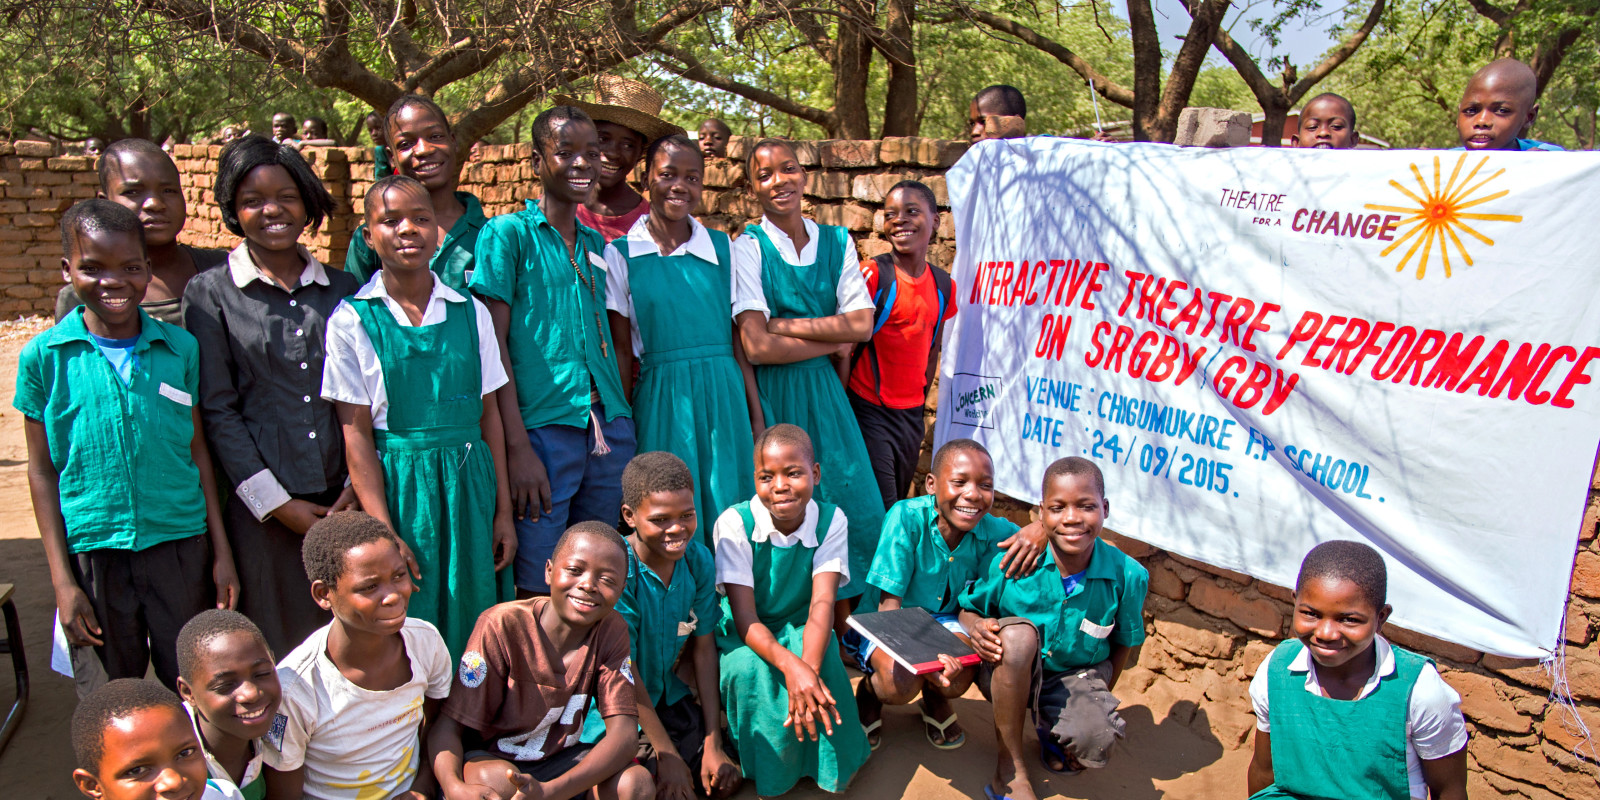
(1169,752)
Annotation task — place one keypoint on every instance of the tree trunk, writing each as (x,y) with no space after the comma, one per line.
(1277,110)
(852,58)
(1146,69)
(900,107)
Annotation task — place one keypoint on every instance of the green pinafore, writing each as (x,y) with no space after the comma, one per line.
(438,474)
(690,398)
(1327,749)
(754,693)
(809,394)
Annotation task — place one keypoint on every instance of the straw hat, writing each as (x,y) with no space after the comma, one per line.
(628,103)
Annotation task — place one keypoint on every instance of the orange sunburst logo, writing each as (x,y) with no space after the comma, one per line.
(1439,212)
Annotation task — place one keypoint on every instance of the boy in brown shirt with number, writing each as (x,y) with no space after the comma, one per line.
(523,687)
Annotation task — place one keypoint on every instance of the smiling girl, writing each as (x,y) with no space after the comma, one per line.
(807,307)
(412,367)
(670,291)
(260,324)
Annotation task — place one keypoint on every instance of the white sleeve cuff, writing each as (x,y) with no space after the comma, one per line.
(262,494)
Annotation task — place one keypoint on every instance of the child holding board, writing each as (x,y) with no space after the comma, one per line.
(412,365)
(670,290)
(813,305)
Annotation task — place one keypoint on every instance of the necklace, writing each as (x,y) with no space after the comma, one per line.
(588,281)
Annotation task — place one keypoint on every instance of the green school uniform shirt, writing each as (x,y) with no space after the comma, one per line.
(1075,631)
(452,262)
(128,479)
(555,348)
(914,563)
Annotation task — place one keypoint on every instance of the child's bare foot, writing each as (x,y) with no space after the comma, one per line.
(939,720)
(871,710)
(1011,780)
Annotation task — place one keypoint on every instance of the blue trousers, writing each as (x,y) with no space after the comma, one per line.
(583,487)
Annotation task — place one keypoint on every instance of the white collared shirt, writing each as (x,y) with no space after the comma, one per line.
(218,776)
(351,371)
(639,242)
(851,290)
(1434,725)
(735,556)
(242,269)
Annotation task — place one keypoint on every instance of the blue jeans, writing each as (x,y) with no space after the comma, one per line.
(583,487)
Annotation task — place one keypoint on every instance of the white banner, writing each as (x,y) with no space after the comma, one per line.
(1265,349)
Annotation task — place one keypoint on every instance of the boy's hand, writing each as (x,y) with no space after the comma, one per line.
(347,501)
(530,484)
(77,617)
(986,640)
(674,781)
(505,541)
(1023,549)
(227,582)
(717,771)
(300,515)
(411,558)
(527,787)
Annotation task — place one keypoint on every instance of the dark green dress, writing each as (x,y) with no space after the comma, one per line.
(810,395)
(438,474)
(754,692)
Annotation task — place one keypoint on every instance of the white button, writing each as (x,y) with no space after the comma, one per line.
(299,332)
(293,303)
(313,434)
(303,365)
(308,398)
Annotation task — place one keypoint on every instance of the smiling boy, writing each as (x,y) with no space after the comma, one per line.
(568,427)
(1500,103)
(1058,639)
(1327,122)
(230,687)
(530,671)
(133,741)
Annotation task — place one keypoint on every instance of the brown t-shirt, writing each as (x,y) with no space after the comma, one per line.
(512,691)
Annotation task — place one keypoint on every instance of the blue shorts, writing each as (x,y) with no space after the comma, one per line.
(583,487)
(863,648)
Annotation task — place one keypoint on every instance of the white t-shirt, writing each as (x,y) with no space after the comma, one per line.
(639,242)
(852,287)
(1434,725)
(351,371)
(354,743)
(735,556)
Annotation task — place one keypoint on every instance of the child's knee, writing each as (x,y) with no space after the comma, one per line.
(635,783)
(1019,644)
(491,772)
(895,686)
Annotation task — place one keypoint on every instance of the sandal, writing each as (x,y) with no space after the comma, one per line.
(943,743)
(990,794)
(874,739)
(1050,749)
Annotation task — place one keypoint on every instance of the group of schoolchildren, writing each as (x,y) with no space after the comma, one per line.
(410,590)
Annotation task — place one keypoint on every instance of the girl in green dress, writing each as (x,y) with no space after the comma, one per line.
(670,291)
(814,307)
(411,364)
(780,559)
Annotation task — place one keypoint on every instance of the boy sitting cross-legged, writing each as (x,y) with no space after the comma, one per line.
(1060,635)
(511,726)
(669,600)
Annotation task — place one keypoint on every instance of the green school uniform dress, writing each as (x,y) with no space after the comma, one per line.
(122,450)
(452,262)
(809,394)
(754,693)
(661,617)
(690,397)
(438,474)
(915,564)
(1076,630)
(1370,761)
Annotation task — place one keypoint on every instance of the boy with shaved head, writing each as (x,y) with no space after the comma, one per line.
(1500,103)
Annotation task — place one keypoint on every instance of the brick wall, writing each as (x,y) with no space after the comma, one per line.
(1209,627)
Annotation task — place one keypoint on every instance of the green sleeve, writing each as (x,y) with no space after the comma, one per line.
(983,596)
(1129,629)
(30,398)
(360,260)
(498,258)
(892,567)
(707,608)
(628,608)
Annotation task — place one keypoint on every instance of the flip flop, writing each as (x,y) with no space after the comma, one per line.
(945,743)
(1050,749)
(989,794)
(871,728)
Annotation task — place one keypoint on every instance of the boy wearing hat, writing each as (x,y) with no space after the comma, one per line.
(626,117)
